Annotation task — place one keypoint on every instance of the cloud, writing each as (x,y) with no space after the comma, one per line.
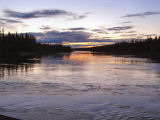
(131,31)
(144,14)
(69,36)
(10,24)
(45,28)
(150,35)
(137,36)
(10,21)
(126,22)
(118,32)
(80,28)
(100,31)
(59,37)
(76,17)
(43,14)
(129,35)
(120,28)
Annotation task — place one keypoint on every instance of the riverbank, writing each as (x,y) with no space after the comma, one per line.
(148,48)
(2,117)
(22,45)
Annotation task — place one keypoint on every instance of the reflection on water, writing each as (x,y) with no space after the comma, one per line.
(81,86)
(17,65)
(24,64)
(92,57)
(12,69)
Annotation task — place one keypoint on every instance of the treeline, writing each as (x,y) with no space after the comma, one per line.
(13,46)
(26,43)
(148,47)
(49,48)
(14,43)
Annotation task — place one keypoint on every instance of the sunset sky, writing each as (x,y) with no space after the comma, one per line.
(81,23)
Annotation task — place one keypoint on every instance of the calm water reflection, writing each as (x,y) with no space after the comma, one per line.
(81,86)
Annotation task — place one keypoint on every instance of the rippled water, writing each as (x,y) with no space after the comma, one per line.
(80,86)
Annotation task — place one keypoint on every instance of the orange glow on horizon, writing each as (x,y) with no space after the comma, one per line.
(89,44)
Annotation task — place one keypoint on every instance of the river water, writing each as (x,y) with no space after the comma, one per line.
(81,86)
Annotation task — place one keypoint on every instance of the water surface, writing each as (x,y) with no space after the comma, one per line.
(80,86)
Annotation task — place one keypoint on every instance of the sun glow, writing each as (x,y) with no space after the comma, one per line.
(87,44)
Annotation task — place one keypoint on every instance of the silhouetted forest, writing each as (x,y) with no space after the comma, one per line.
(13,45)
(149,47)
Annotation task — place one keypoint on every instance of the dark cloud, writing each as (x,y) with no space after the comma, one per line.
(122,32)
(131,31)
(76,17)
(101,31)
(80,28)
(126,22)
(120,28)
(75,36)
(129,35)
(137,36)
(45,28)
(59,37)
(10,21)
(10,24)
(43,13)
(150,35)
(69,36)
(118,32)
(39,35)
(144,14)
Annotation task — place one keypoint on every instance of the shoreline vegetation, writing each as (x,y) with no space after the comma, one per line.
(14,46)
(149,48)
(19,47)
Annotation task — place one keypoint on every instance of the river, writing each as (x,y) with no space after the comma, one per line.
(81,86)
